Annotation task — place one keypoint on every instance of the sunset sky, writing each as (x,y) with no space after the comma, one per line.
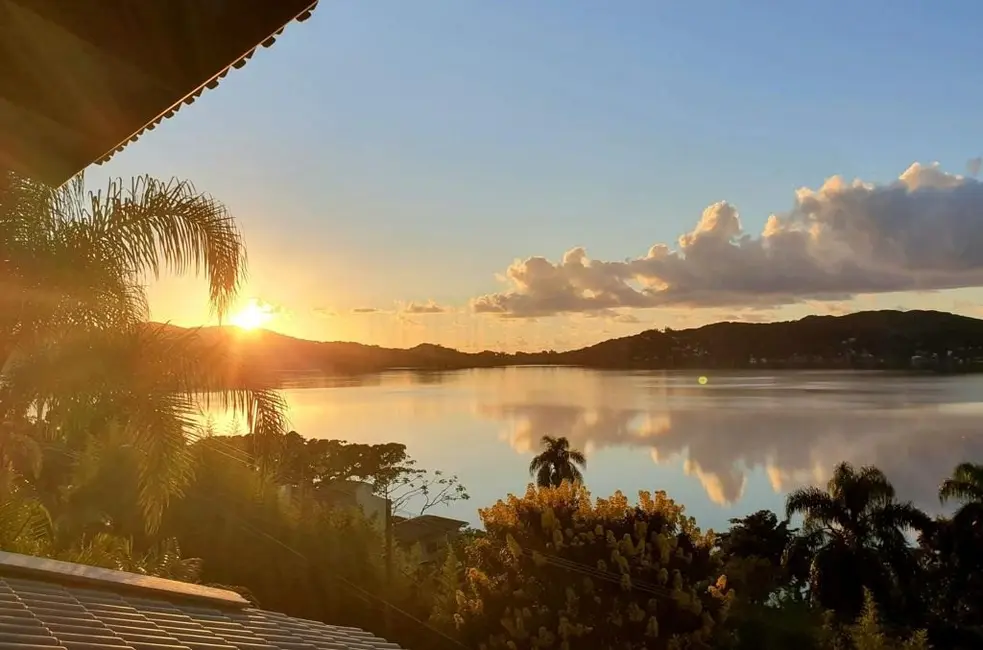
(442,171)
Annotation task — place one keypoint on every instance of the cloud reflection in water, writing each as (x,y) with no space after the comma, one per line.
(794,428)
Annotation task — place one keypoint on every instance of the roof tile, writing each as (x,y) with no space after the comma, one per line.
(46,615)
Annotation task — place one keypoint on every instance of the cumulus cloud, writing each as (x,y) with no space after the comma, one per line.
(429,307)
(922,232)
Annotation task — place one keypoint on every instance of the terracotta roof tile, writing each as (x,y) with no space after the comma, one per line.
(44,609)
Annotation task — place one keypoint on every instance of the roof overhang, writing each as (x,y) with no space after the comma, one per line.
(79,79)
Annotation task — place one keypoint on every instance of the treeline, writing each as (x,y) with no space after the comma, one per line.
(870,340)
(554,567)
(557,568)
(233,524)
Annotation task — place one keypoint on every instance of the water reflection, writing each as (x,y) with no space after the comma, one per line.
(917,447)
(739,438)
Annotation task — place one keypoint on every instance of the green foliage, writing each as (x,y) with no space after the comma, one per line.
(557,569)
(756,559)
(315,466)
(77,357)
(867,633)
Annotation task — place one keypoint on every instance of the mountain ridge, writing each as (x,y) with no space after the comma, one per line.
(884,339)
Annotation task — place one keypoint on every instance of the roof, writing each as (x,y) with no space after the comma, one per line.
(50,605)
(416,528)
(345,488)
(79,80)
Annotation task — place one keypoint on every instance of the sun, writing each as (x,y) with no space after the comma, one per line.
(255,314)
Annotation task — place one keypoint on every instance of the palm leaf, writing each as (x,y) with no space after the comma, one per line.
(966,484)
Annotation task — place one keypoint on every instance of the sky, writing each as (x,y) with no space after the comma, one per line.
(530,175)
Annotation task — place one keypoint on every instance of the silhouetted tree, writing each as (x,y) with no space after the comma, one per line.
(856,529)
(753,554)
(965,486)
(77,355)
(557,463)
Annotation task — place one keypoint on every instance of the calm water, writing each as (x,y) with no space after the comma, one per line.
(723,449)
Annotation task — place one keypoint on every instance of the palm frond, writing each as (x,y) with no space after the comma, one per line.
(164,463)
(155,226)
(577,457)
(813,503)
(901,516)
(25,524)
(965,485)
(576,476)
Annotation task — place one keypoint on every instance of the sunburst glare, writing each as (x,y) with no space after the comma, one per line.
(254,315)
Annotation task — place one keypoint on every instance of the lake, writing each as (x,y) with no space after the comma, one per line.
(725,448)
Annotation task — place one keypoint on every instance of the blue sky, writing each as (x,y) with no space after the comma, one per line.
(386,152)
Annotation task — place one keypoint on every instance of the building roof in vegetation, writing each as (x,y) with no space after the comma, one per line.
(51,605)
(414,529)
(81,79)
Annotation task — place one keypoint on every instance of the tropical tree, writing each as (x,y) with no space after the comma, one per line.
(557,569)
(951,556)
(965,486)
(856,530)
(754,553)
(557,463)
(77,356)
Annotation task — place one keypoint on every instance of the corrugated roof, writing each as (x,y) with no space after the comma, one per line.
(55,610)
(411,530)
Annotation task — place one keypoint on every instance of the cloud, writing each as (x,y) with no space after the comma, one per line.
(264,306)
(366,310)
(429,307)
(324,312)
(919,233)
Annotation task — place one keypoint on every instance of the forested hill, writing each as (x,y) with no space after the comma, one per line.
(872,339)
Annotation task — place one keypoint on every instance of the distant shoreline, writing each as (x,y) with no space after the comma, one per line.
(916,342)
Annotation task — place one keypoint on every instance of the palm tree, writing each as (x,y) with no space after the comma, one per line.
(77,356)
(856,531)
(557,463)
(966,486)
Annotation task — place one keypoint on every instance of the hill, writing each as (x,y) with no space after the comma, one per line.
(872,339)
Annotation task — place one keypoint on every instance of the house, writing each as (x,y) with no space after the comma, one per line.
(80,80)
(430,533)
(356,494)
(62,606)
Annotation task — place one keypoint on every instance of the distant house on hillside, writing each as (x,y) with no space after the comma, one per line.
(346,494)
(431,533)
(356,494)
